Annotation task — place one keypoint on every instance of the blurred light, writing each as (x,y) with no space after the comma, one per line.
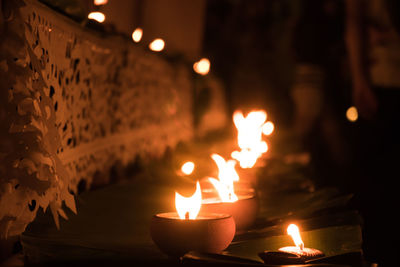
(268,128)
(202,66)
(187,168)
(100,2)
(97,16)
(157,45)
(137,35)
(352,114)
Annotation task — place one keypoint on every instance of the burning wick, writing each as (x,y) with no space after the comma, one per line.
(187,168)
(299,249)
(97,16)
(157,45)
(137,35)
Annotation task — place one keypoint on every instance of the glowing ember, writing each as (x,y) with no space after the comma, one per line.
(294,232)
(187,168)
(250,130)
(202,66)
(137,35)
(157,45)
(97,16)
(352,114)
(226,175)
(188,207)
(100,2)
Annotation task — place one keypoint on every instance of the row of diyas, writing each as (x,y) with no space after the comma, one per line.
(224,208)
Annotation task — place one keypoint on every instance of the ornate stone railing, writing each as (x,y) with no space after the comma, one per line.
(73,103)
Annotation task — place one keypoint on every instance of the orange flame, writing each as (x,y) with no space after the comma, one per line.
(157,45)
(188,207)
(97,16)
(250,130)
(187,168)
(100,2)
(202,66)
(137,35)
(227,175)
(294,232)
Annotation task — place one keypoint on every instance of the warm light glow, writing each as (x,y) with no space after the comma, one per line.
(294,232)
(100,2)
(188,207)
(137,35)
(268,128)
(226,175)
(352,114)
(97,16)
(157,45)
(250,130)
(187,168)
(202,66)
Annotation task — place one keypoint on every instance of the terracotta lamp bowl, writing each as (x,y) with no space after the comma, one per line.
(210,233)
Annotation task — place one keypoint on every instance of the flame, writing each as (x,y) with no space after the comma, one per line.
(268,128)
(187,168)
(294,232)
(202,66)
(137,35)
(227,175)
(188,207)
(100,2)
(157,45)
(97,16)
(352,114)
(250,130)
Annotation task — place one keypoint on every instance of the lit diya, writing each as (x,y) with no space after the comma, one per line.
(291,254)
(176,233)
(242,204)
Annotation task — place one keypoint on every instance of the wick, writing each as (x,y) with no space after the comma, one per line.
(187,215)
(302,246)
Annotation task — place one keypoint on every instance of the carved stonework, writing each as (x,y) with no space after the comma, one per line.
(73,103)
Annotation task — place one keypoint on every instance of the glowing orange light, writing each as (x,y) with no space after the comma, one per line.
(352,114)
(202,66)
(187,168)
(250,129)
(294,232)
(268,128)
(226,175)
(97,16)
(100,2)
(137,35)
(157,45)
(188,207)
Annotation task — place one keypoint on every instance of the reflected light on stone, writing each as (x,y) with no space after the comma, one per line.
(157,45)
(352,114)
(97,16)
(137,35)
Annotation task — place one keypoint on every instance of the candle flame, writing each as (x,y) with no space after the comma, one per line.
(268,128)
(202,66)
(226,175)
(250,130)
(100,2)
(97,16)
(157,45)
(352,114)
(294,232)
(187,168)
(188,207)
(137,35)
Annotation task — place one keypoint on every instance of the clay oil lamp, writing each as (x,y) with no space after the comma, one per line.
(188,229)
(222,198)
(251,129)
(297,254)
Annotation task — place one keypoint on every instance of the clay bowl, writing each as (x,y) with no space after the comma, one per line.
(209,233)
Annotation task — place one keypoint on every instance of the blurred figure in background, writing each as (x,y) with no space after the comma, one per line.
(373,44)
(318,88)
